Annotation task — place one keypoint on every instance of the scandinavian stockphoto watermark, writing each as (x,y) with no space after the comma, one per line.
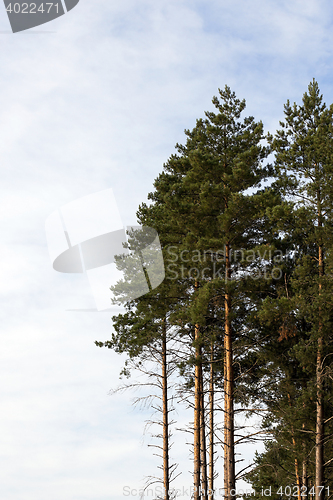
(24,15)
(288,491)
(159,492)
(211,264)
(87,236)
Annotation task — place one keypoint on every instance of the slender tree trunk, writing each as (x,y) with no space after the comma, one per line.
(305,482)
(229,384)
(298,477)
(197,411)
(319,427)
(304,467)
(211,425)
(204,482)
(226,427)
(319,482)
(166,471)
(304,479)
(297,474)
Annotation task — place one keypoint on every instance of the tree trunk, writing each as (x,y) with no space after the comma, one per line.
(229,386)
(297,474)
(204,482)
(305,480)
(319,427)
(319,482)
(211,426)
(197,411)
(166,472)
(226,427)
(298,477)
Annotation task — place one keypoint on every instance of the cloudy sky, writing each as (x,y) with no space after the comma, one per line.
(94,100)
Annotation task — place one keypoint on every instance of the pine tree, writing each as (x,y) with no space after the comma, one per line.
(144,332)
(204,189)
(304,159)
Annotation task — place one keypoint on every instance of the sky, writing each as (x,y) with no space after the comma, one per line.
(97,99)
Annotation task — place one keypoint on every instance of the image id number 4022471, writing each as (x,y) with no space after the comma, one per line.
(31,8)
(303,491)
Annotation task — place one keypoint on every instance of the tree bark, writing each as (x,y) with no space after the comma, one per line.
(229,385)
(297,474)
(197,411)
(226,427)
(211,426)
(319,481)
(319,427)
(166,471)
(204,482)
(305,480)
(298,477)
